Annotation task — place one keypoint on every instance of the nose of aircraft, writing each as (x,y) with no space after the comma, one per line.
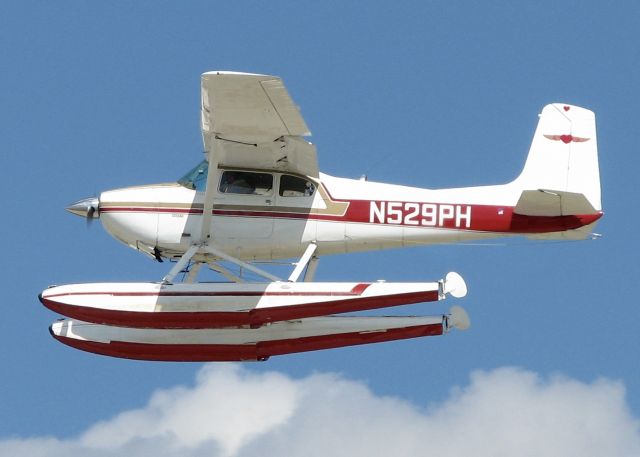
(87,207)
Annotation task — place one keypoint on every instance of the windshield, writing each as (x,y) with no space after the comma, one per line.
(196,178)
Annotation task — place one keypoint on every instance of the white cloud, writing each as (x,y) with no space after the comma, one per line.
(232,411)
(228,405)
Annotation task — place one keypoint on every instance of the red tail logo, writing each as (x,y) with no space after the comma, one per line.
(566,139)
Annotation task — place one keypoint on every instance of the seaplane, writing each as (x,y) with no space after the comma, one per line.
(258,196)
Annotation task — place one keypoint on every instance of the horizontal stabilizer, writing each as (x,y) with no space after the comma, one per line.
(550,203)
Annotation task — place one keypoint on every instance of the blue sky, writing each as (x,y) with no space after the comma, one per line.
(434,94)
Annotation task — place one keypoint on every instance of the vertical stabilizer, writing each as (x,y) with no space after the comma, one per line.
(563,158)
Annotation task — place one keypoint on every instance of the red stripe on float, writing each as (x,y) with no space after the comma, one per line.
(242,352)
(358,289)
(218,319)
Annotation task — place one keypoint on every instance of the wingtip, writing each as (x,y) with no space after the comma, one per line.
(235,73)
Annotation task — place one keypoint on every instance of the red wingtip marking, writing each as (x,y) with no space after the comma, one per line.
(566,108)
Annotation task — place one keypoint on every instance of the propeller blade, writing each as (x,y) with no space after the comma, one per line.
(90,215)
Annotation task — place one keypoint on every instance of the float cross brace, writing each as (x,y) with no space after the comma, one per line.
(307,259)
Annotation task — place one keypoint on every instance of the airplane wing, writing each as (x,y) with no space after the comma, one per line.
(249,120)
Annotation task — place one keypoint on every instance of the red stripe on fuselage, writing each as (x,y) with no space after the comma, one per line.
(149,209)
(484,218)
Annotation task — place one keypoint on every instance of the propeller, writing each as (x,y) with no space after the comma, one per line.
(91,211)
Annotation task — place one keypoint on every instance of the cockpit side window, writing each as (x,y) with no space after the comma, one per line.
(293,186)
(196,178)
(246,182)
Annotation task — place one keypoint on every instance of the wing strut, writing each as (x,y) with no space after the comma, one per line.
(207,210)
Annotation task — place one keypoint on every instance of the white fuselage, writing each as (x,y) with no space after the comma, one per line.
(340,215)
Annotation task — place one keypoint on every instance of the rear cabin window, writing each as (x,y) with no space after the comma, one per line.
(246,182)
(293,186)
